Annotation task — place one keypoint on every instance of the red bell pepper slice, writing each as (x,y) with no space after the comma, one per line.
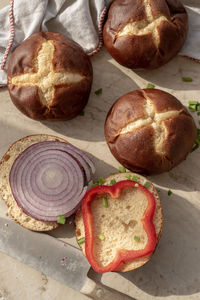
(122,255)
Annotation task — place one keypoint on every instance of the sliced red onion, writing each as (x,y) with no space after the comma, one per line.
(49,179)
(81,156)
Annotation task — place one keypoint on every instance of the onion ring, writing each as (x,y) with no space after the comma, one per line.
(49,179)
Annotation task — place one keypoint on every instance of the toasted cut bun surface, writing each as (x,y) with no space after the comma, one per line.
(149,131)
(5,165)
(49,77)
(119,223)
(140,33)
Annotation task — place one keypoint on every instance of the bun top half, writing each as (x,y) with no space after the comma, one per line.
(49,77)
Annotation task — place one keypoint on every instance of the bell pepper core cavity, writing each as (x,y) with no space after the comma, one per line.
(121,254)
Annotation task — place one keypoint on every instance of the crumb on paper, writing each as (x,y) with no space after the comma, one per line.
(63,260)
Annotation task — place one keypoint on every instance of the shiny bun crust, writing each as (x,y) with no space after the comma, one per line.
(49,77)
(149,131)
(145,34)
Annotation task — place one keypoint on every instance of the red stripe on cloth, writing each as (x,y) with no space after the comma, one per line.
(100,30)
(11,35)
(191,58)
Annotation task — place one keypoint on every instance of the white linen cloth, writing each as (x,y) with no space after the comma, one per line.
(78,19)
(191,47)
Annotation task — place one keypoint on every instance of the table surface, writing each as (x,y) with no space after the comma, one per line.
(174,270)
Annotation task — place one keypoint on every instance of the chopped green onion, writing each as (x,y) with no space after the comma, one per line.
(82,113)
(98,92)
(197,140)
(192,107)
(150,86)
(186,79)
(146,185)
(81,240)
(101,180)
(95,184)
(193,102)
(196,146)
(101,237)
(112,182)
(105,202)
(169,192)
(198,113)
(61,220)
(128,176)
(122,169)
(136,238)
(135,178)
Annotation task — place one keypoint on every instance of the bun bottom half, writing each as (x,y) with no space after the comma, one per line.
(157,220)
(14,211)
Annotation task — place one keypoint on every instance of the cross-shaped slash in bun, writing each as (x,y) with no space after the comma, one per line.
(49,77)
(145,33)
(149,131)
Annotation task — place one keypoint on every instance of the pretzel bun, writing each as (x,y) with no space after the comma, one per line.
(149,131)
(145,33)
(49,77)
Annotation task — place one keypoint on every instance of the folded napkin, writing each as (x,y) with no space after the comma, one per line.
(191,47)
(81,20)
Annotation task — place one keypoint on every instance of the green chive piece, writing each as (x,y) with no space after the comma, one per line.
(95,184)
(198,113)
(197,140)
(150,86)
(187,79)
(169,192)
(98,92)
(105,202)
(146,185)
(82,113)
(195,147)
(193,102)
(198,107)
(61,220)
(128,176)
(192,107)
(135,178)
(101,180)
(136,238)
(112,182)
(122,169)
(101,237)
(81,240)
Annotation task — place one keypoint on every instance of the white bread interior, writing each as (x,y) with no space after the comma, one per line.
(8,159)
(119,223)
